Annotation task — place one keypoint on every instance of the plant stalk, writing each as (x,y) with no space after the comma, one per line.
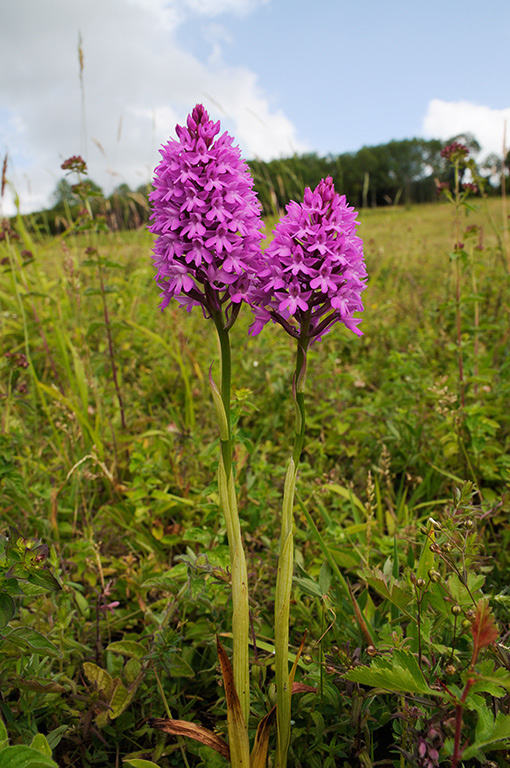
(286,561)
(228,504)
(457,287)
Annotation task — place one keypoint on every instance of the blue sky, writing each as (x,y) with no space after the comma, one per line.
(283,76)
(354,73)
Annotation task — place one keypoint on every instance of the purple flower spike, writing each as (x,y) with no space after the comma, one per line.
(206,218)
(313,272)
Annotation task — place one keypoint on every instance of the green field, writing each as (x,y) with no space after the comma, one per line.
(108,455)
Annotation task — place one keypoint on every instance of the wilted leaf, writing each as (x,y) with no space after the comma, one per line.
(359,617)
(258,755)
(483,629)
(192,731)
(303,688)
(238,736)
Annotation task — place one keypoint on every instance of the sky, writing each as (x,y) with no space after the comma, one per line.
(283,76)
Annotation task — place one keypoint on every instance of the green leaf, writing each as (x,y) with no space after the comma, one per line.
(399,673)
(4,738)
(44,579)
(490,680)
(40,742)
(100,677)
(55,736)
(325,577)
(7,609)
(120,700)
(132,670)
(136,762)
(179,668)
(26,636)
(128,648)
(388,587)
(37,684)
(489,735)
(346,493)
(21,756)
(426,562)
(12,587)
(309,587)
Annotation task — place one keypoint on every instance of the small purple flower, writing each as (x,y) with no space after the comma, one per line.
(455,152)
(313,272)
(206,219)
(468,186)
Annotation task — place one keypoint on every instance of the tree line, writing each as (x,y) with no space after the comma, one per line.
(407,171)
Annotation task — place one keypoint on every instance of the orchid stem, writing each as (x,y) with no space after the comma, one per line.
(228,504)
(286,561)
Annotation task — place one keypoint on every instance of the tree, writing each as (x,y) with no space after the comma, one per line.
(62,193)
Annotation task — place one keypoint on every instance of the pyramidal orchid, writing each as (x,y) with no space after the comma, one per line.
(206,218)
(206,222)
(312,277)
(313,272)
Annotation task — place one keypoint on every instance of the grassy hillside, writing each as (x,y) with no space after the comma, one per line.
(108,453)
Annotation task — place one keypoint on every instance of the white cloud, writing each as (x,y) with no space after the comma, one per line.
(216,7)
(137,75)
(445,119)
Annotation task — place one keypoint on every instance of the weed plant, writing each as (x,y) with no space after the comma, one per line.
(114,565)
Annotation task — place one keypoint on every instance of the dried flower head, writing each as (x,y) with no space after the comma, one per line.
(4,176)
(313,272)
(206,218)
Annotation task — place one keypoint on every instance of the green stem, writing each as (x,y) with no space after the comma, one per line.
(228,504)
(225,387)
(286,561)
(457,286)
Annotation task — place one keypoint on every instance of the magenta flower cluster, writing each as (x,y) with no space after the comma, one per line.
(206,218)
(455,152)
(313,271)
(207,250)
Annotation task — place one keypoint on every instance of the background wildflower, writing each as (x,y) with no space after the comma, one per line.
(455,152)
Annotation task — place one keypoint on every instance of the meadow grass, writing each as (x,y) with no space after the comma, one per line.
(129,512)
